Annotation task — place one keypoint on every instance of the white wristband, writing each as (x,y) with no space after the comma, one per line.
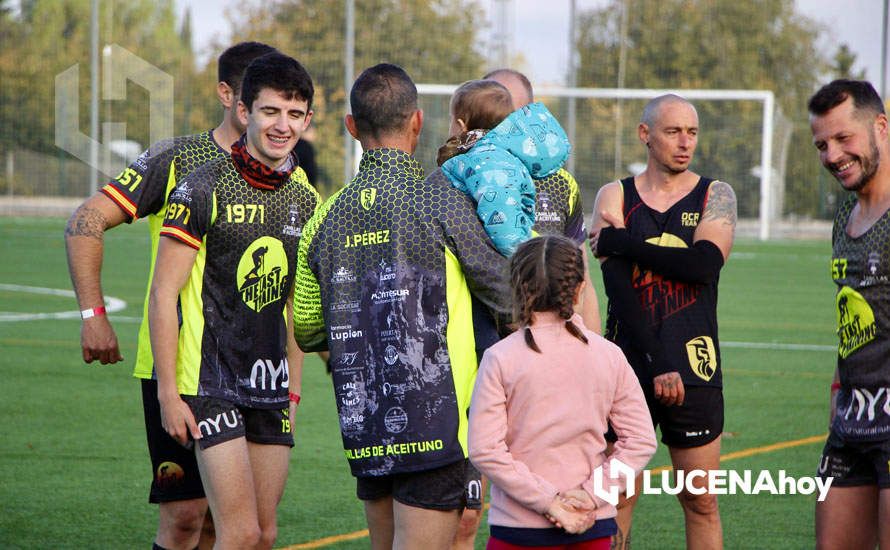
(87,313)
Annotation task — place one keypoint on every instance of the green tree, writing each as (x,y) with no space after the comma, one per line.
(434,40)
(715,44)
(47,37)
(844,61)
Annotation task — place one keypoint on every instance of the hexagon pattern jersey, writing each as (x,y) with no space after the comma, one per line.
(385,275)
(558,211)
(682,315)
(558,208)
(860,267)
(141,190)
(232,342)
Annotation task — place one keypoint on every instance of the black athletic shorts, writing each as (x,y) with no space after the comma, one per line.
(855,464)
(220,421)
(174,469)
(697,422)
(452,487)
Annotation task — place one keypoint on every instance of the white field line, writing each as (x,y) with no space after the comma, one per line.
(778,346)
(112,305)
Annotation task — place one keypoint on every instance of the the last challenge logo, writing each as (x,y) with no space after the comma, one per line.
(263,273)
(261,289)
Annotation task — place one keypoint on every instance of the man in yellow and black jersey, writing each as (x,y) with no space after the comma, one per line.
(227,258)
(852,134)
(386,272)
(662,237)
(141,191)
(558,208)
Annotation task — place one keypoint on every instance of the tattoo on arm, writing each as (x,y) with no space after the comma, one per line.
(86,222)
(721,204)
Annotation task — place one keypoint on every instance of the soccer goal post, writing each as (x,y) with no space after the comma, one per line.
(736,140)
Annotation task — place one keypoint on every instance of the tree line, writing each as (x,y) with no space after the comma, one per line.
(714,44)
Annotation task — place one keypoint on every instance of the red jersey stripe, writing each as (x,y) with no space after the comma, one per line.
(182,236)
(120,199)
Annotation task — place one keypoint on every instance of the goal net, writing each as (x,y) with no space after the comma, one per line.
(743,140)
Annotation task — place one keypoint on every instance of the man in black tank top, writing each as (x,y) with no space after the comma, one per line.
(850,130)
(662,238)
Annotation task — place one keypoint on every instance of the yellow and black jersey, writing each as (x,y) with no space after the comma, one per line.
(386,271)
(682,315)
(860,267)
(232,342)
(141,190)
(558,208)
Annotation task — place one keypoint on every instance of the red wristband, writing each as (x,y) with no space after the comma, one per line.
(835,386)
(87,313)
(294,397)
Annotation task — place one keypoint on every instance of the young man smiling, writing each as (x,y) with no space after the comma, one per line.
(232,230)
(141,191)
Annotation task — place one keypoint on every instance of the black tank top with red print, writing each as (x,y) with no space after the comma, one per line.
(682,315)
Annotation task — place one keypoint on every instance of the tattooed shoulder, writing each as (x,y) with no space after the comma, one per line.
(721,204)
(86,222)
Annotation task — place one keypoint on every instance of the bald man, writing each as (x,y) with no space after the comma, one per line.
(662,237)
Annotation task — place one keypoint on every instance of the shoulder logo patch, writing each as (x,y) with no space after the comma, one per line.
(367,197)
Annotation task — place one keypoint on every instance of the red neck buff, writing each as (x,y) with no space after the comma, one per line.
(258,174)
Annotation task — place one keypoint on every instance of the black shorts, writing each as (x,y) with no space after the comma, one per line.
(855,464)
(697,422)
(220,421)
(174,470)
(452,487)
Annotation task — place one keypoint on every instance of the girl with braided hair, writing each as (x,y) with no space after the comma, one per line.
(540,407)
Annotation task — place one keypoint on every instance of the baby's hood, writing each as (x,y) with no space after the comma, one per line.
(533,135)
